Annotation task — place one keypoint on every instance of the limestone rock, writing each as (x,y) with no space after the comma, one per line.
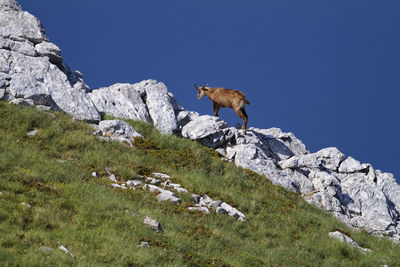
(133,182)
(22,102)
(34,66)
(121,100)
(121,186)
(251,157)
(144,244)
(201,209)
(32,133)
(118,129)
(351,165)
(50,50)
(160,108)
(344,238)
(66,251)
(184,117)
(161,175)
(329,158)
(8,5)
(164,195)
(16,24)
(233,212)
(153,224)
(207,130)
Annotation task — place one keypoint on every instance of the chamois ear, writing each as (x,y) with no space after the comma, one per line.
(204,88)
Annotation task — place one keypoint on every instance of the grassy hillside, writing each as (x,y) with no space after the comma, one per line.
(101,225)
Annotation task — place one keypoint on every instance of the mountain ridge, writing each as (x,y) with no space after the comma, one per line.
(33,72)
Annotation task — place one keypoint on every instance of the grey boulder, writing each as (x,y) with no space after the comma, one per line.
(207,130)
(118,129)
(121,100)
(160,107)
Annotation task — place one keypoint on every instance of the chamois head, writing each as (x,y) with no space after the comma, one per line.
(200,90)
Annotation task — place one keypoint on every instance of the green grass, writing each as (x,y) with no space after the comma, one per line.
(101,225)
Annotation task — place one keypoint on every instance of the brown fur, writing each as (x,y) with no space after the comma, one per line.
(226,98)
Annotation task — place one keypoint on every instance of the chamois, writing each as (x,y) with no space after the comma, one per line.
(226,98)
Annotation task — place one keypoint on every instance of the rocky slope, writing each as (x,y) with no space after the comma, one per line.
(32,72)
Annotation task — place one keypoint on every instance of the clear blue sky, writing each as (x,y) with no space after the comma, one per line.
(328,71)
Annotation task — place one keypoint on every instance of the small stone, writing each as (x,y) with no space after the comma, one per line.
(153,188)
(168,196)
(153,224)
(119,130)
(45,108)
(202,209)
(153,181)
(144,244)
(66,250)
(32,133)
(344,238)
(181,190)
(133,182)
(1,193)
(95,174)
(112,178)
(233,212)
(161,175)
(26,204)
(214,204)
(205,200)
(119,186)
(22,102)
(177,187)
(166,183)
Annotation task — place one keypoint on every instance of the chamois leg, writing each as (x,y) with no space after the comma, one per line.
(243,115)
(216,109)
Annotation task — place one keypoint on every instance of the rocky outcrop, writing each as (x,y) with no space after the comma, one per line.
(358,195)
(122,100)
(208,130)
(32,68)
(32,72)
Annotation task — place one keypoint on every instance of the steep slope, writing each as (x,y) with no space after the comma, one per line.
(33,73)
(50,198)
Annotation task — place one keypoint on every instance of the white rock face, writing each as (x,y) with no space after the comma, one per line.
(207,130)
(351,165)
(160,107)
(32,67)
(121,100)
